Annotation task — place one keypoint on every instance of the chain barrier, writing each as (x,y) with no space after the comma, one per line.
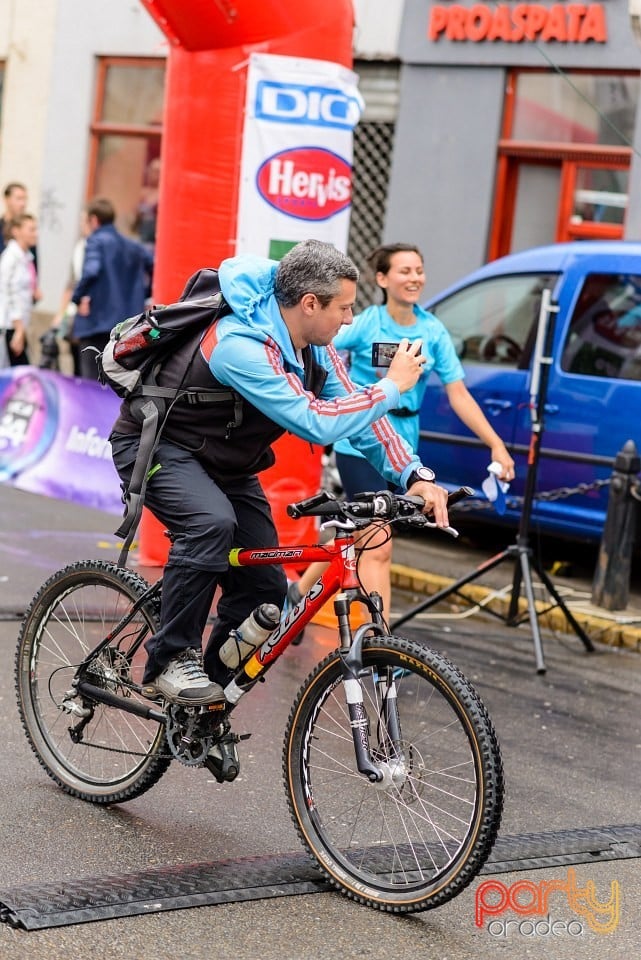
(331,481)
(561,493)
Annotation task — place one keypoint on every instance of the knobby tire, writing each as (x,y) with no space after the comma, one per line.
(120,755)
(417,840)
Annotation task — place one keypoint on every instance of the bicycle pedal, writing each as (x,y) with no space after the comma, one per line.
(222,759)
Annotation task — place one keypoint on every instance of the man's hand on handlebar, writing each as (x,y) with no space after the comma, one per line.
(424,504)
(435,498)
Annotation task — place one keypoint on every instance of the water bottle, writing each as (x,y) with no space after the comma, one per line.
(137,338)
(242,642)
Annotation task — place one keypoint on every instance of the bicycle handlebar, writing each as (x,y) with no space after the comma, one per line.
(379,505)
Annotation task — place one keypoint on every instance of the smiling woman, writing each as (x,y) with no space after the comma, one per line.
(400,275)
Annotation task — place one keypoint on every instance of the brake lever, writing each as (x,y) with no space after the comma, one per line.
(453,498)
(424,522)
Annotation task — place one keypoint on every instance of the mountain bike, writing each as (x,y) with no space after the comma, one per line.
(391,764)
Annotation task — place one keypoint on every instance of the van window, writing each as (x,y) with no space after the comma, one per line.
(494,321)
(604,338)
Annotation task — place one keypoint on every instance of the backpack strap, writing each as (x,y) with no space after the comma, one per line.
(188,394)
(135,496)
(154,415)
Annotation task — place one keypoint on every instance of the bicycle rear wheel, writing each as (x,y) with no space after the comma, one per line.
(118,755)
(418,838)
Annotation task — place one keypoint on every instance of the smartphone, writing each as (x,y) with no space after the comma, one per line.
(383,354)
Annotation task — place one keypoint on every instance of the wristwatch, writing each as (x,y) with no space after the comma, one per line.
(421,473)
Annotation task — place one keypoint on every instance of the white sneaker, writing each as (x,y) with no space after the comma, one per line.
(184,681)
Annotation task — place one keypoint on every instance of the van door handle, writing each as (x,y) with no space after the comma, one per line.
(496,406)
(551,408)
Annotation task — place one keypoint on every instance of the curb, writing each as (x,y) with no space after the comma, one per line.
(606,628)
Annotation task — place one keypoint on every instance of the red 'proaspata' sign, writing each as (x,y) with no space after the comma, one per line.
(574,23)
(309,183)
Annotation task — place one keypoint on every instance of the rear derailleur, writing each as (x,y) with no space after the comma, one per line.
(196,738)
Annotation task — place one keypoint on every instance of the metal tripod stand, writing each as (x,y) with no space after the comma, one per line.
(520,552)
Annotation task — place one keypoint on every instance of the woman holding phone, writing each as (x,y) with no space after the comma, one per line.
(400,274)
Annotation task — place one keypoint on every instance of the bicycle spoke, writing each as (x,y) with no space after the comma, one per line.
(113,754)
(403,837)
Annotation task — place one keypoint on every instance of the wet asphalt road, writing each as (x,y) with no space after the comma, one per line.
(572,751)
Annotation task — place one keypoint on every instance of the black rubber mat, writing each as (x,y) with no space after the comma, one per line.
(36,906)
(42,905)
(533,851)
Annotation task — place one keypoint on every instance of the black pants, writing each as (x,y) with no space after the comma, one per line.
(206,520)
(15,360)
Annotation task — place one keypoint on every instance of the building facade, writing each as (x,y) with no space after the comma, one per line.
(81,111)
(488,127)
(518,125)
(72,101)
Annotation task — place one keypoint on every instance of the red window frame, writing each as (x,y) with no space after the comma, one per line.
(100,128)
(566,156)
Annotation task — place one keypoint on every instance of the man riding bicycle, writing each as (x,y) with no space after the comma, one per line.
(274,351)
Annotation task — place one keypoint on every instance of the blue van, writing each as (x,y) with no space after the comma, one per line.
(593,396)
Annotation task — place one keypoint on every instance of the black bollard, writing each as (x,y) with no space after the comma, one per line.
(611,583)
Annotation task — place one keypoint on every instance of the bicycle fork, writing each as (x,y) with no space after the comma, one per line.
(380,772)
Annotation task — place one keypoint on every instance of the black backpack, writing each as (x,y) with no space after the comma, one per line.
(137,347)
(131,362)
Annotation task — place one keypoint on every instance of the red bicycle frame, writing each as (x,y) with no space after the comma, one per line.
(340,575)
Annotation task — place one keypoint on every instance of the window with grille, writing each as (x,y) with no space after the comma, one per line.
(372,159)
(378,82)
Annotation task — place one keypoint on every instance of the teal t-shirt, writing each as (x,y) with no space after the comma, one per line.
(375,324)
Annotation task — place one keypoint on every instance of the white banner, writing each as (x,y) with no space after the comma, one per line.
(296,167)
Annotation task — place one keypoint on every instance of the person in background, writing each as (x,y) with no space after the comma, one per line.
(147,209)
(15,204)
(62,324)
(399,272)
(113,285)
(18,285)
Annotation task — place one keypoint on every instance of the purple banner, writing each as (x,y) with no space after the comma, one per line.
(54,437)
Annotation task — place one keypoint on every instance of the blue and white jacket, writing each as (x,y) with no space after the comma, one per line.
(250,351)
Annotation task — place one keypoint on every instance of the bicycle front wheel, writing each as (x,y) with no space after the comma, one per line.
(417,838)
(93,751)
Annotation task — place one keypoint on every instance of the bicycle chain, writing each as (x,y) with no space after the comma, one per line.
(127,753)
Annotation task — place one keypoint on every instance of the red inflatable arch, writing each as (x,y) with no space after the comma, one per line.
(204,112)
(210,44)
